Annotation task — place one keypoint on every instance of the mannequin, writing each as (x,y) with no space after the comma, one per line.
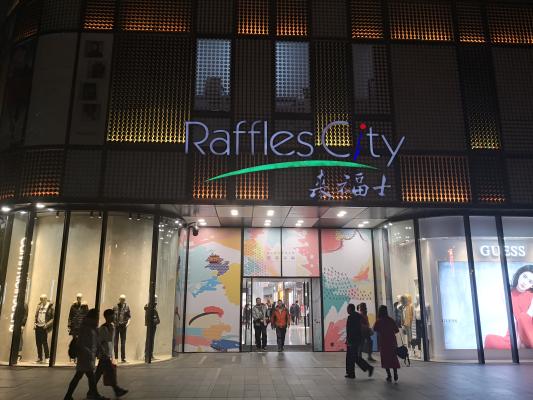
(149,347)
(408,312)
(398,308)
(122,321)
(44,320)
(78,311)
(419,332)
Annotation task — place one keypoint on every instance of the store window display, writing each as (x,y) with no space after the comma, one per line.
(447,290)
(41,288)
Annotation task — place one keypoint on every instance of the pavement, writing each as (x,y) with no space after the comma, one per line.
(303,376)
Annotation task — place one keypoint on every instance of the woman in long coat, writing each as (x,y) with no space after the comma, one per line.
(387,329)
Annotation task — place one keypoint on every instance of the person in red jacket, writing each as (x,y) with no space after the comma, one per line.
(387,329)
(281,320)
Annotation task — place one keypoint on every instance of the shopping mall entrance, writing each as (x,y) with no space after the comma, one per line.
(297,295)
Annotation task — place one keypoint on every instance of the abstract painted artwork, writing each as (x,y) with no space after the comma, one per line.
(213,291)
(347,277)
(262,252)
(300,256)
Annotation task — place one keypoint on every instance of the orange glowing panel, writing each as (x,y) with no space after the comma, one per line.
(470,23)
(252,186)
(253,17)
(99,15)
(510,24)
(292,18)
(156,15)
(367,20)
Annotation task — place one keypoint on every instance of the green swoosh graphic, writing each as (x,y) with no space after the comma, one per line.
(292,164)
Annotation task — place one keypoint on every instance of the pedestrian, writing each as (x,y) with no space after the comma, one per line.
(387,329)
(86,348)
(367,332)
(106,340)
(151,320)
(259,317)
(281,320)
(295,312)
(353,343)
(272,308)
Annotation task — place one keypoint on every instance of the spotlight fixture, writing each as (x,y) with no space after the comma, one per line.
(130,217)
(341,214)
(57,214)
(270,213)
(100,215)
(23,212)
(390,223)
(138,217)
(234,212)
(6,209)
(91,215)
(40,206)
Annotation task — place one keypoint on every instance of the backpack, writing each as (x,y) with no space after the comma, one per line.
(73,348)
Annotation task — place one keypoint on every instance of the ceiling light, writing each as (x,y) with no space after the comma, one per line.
(201,221)
(40,205)
(270,213)
(361,225)
(138,217)
(300,221)
(366,222)
(6,209)
(341,214)
(23,212)
(234,212)
(100,215)
(91,215)
(298,225)
(268,222)
(390,223)
(130,217)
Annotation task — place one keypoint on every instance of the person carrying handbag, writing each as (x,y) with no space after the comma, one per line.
(106,366)
(387,329)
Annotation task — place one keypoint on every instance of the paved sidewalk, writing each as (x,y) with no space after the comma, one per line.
(280,376)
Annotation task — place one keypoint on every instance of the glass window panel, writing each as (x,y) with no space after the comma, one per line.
(447,291)
(167,267)
(246,324)
(180,292)
(126,273)
(213,75)
(42,287)
(300,252)
(518,233)
(9,295)
(81,274)
(490,289)
(293,93)
(405,307)
(262,252)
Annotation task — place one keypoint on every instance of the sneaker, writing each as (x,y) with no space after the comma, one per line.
(120,392)
(47,361)
(39,361)
(349,376)
(370,371)
(124,360)
(264,348)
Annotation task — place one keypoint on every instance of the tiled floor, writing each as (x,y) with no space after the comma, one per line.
(280,376)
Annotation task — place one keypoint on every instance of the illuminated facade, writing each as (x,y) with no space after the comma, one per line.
(127,121)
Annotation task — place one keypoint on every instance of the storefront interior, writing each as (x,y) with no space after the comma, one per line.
(194,270)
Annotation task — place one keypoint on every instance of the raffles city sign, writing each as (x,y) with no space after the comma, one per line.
(203,140)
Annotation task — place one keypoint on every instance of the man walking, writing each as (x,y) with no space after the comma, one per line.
(353,342)
(259,317)
(281,320)
(295,313)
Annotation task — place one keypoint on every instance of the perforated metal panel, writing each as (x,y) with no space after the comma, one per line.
(60,15)
(331,97)
(371,79)
(252,186)
(27,20)
(293,89)
(156,15)
(253,79)
(470,22)
(291,185)
(86,163)
(428,106)
(253,17)
(151,88)
(9,174)
(413,20)
(435,179)
(214,16)
(99,15)
(41,173)
(489,175)
(155,175)
(367,19)
(213,75)
(206,167)
(479,98)
(510,23)
(520,178)
(329,18)
(291,18)
(514,81)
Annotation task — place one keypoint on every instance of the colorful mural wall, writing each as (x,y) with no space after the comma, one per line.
(262,252)
(347,277)
(300,252)
(212,318)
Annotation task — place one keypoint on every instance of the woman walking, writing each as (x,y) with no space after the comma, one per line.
(387,329)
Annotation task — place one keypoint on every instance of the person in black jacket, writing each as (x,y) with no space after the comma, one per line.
(149,346)
(78,311)
(354,338)
(122,321)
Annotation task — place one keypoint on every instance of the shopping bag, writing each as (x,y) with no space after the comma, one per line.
(110,375)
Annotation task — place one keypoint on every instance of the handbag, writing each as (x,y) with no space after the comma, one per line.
(110,374)
(403,353)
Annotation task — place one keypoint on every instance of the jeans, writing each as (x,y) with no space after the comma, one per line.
(41,339)
(104,364)
(260,335)
(280,335)
(352,358)
(121,331)
(76,379)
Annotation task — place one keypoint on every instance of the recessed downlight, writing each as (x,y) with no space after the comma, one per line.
(361,225)
(6,209)
(366,222)
(341,214)
(270,213)
(234,212)
(40,205)
(201,221)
